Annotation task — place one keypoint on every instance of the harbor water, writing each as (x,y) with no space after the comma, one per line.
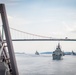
(44,65)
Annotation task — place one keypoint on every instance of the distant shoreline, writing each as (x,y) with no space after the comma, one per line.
(66,53)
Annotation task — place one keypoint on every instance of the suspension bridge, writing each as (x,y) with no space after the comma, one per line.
(18,35)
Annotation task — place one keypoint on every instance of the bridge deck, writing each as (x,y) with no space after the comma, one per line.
(43,39)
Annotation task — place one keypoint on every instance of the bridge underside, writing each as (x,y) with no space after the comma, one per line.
(43,39)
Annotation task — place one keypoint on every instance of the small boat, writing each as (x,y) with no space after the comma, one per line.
(36,53)
(57,54)
(73,53)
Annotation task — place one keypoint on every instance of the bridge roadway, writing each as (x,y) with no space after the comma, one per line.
(43,39)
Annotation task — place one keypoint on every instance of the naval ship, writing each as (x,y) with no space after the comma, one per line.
(57,54)
(36,53)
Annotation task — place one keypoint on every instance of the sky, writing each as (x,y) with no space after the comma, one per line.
(52,18)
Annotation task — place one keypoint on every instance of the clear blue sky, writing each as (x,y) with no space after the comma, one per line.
(52,18)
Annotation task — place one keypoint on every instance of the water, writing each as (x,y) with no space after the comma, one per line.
(44,65)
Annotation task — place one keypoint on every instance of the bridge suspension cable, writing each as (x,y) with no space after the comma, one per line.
(33,35)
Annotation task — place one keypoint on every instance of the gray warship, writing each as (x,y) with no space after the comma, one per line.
(36,53)
(57,54)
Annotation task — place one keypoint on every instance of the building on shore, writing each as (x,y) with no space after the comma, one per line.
(57,54)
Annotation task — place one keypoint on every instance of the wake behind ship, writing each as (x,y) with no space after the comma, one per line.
(57,54)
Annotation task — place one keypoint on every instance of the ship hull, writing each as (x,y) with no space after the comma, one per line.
(57,57)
